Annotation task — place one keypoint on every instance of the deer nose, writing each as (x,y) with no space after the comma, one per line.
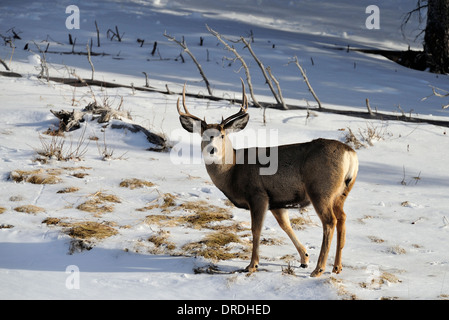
(213,150)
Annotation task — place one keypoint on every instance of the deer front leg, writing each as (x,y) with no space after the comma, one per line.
(257,209)
(282,218)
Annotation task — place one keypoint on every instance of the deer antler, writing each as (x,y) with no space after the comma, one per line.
(243,107)
(186,113)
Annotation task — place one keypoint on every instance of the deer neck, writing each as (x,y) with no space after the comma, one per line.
(221,172)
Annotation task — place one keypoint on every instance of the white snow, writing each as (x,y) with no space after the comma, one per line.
(397,213)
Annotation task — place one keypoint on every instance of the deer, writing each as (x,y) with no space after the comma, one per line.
(321,172)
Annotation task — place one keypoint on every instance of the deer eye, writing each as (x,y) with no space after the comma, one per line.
(222,136)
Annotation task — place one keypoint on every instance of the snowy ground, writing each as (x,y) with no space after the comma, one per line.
(397,225)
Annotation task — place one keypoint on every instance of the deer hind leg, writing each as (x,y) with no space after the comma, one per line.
(258,210)
(341,232)
(281,216)
(329,222)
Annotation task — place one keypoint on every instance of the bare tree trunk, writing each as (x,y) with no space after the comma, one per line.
(183,45)
(242,61)
(436,39)
(306,80)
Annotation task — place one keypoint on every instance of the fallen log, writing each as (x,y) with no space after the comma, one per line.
(70,120)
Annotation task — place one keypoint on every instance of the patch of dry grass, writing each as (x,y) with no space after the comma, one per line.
(214,246)
(300,223)
(39,176)
(51,221)
(29,209)
(134,183)
(2,209)
(377,281)
(96,204)
(204,214)
(68,190)
(90,230)
(162,220)
(166,202)
(161,242)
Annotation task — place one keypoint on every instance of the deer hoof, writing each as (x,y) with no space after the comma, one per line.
(251,269)
(304,265)
(337,269)
(316,273)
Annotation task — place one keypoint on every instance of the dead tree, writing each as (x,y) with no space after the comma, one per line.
(306,80)
(437,93)
(183,45)
(98,34)
(4,64)
(90,61)
(242,61)
(277,96)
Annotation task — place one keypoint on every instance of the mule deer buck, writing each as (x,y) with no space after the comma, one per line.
(321,172)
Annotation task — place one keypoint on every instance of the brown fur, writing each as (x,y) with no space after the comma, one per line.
(321,172)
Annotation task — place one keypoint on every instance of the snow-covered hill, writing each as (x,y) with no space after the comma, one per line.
(397,225)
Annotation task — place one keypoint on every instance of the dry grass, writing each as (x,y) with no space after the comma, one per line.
(214,247)
(51,221)
(68,190)
(40,176)
(162,220)
(135,183)
(96,204)
(204,214)
(376,239)
(377,281)
(166,202)
(29,209)
(288,270)
(90,230)
(367,136)
(353,141)
(300,223)
(397,250)
(341,289)
(2,209)
(160,240)
(56,148)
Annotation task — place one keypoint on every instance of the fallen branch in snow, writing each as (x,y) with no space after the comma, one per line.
(4,64)
(70,120)
(351,113)
(439,95)
(183,45)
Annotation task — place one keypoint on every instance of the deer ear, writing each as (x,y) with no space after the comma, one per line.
(237,124)
(192,125)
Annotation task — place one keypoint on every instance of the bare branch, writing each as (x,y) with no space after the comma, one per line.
(281,98)
(90,61)
(307,81)
(239,57)
(4,64)
(183,45)
(278,98)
